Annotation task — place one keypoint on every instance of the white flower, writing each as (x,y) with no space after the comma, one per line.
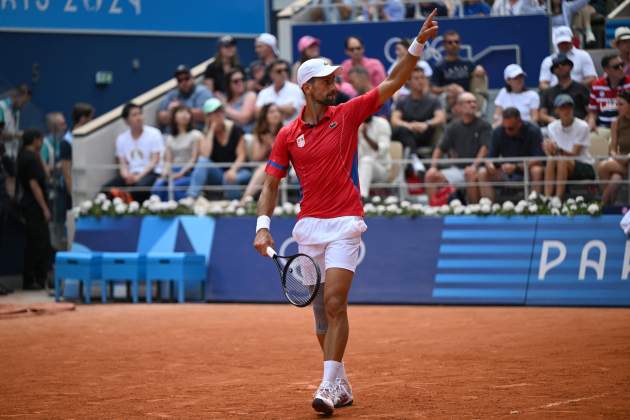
(522,203)
(391,200)
(376,199)
(430,211)
(593,209)
(86,206)
(229,209)
(508,206)
(369,208)
(555,202)
(570,202)
(120,208)
(565,209)
(444,209)
(117,201)
(518,209)
(405,204)
(418,208)
(214,208)
(485,200)
(106,205)
(133,207)
(485,208)
(532,196)
(240,211)
(171,205)
(467,210)
(455,203)
(532,208)
(277,211)
(380,209)
(555,212)
(579,199)
(200,210)
(391,208)
(188,202)
(154,198)
(459,210)
(100,199)
(475,208)
(496,207)
(573,207)
(146,204)
(287,208)
(154,207)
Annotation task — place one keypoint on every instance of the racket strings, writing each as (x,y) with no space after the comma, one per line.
(301,277)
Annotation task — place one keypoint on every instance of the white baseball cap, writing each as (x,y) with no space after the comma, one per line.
(562,34)
(315,67)
(622,33)
(270,40)
(512,71)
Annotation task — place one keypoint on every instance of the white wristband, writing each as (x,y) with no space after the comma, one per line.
(263,222)
(416,48)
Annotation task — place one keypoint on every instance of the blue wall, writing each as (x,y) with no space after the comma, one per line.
(67,65)
(453,260)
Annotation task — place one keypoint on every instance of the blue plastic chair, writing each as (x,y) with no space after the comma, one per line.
(123,267)
(176,267)
(82,266)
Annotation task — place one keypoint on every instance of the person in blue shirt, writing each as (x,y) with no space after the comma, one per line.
(472,8)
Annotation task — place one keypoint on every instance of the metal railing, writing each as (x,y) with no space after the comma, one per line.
(290,184)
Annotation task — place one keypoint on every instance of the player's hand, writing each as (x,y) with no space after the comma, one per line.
(262,241)
(429,29)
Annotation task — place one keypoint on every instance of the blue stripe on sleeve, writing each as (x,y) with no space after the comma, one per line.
(277,166)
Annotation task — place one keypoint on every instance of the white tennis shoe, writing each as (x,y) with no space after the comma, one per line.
(343,393)
(325,398)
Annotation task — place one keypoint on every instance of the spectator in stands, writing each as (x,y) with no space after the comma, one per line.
(268,124)
(460,71)
(401,49)
(57,127)
(356,51)
(563,12)
(514,138)
(287,95)
(11,107)
(374,155)
(258,72)
(583,68)
(472,8)
(415,118)
(360,81)
(180,155)
(561,68)
(331,11)
(223,143)
(187,93)
(568,137)
(308,47)
(138,151)
(615,169)
(240,104)
(33,193)
(516,95)
(602,108)
(225,60)
(418,9)
(82,113)
(622,43)
(516,7)
(464,137)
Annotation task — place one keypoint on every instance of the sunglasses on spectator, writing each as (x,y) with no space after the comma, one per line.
(183,79)
(452,41)
(355,48)
(617,66)
(282,70)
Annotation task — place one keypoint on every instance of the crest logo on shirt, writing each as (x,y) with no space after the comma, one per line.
(333,124)
(300,141)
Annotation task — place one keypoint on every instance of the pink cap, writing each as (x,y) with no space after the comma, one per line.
(306,41)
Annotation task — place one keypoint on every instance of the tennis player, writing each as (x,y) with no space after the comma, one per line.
(321,144)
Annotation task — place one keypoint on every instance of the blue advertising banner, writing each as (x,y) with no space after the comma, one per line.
(203,17)
(451,260)
(493,42)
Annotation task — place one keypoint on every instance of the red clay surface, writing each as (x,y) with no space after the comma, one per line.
(262,362)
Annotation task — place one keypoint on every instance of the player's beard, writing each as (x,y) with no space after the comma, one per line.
(327,100)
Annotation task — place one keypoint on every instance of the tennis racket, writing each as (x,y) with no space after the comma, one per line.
(299,275)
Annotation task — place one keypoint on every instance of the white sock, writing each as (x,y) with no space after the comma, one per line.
(331,367)
(341,372)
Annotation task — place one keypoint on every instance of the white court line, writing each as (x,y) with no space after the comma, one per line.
(511,385)
(557,403)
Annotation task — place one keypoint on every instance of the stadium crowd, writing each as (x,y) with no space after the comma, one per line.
(207,131)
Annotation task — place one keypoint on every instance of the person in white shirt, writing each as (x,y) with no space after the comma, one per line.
(138,151)
(516,95)
(286,95)
(583,68)
(374,157)
(568,137)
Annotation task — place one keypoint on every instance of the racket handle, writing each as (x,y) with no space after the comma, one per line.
(271,252)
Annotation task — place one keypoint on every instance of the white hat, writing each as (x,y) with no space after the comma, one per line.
(270,40)
(562,34)
(315,67)
(622,33)
(512,71)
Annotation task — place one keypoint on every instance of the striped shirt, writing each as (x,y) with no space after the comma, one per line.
(603,99)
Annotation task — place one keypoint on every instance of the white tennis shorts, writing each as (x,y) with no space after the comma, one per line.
(332,243)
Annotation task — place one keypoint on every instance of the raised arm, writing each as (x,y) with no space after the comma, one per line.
(403,69)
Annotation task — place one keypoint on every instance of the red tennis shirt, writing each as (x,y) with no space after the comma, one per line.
(325,158)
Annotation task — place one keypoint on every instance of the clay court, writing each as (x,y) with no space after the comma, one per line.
(261,361)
